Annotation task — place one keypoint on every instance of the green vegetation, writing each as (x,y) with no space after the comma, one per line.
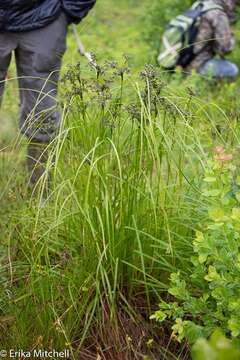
(217,348)
(212,294)
(140,213)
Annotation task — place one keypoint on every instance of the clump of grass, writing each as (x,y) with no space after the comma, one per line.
(121,216)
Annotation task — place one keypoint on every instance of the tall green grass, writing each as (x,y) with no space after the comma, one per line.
(121,215)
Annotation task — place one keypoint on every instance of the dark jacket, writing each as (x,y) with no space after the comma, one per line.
(25,15)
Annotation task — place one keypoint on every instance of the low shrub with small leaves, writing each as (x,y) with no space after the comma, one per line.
(210,297)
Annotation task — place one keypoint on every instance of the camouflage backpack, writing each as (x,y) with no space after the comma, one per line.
(177,48)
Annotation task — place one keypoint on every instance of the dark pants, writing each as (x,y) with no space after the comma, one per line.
(38,57)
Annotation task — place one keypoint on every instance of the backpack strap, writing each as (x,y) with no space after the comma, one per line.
(206,6)
(170,50)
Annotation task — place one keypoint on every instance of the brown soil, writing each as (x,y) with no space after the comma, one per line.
(131,337)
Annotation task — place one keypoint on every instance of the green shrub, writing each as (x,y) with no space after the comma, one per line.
(211,296)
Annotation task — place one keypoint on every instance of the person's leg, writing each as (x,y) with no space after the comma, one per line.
(37,158)
(219,69)
(7,45)
(38,59)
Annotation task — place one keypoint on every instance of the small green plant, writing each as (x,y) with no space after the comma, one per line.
(217,348)
(211,296)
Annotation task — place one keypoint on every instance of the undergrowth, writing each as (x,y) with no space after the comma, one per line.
(88,270)
(125,204)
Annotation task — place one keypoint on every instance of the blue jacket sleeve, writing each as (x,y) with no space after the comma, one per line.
(76,10)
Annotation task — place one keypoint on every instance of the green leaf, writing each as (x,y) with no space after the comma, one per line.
(193,331)
(224,347)
(202,258)
(215,226)
(203,351)
(236,214)
(238,196)
(199,236)
(210,179)
(178,329)
(238,180)
(159,316)
(217,348)
(234,326)
(217,215)
(212,274)
(212,193)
